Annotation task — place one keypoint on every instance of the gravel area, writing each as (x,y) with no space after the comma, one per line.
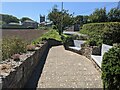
(65,69)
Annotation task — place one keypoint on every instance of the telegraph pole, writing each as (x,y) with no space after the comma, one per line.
(62,18)
(118,7)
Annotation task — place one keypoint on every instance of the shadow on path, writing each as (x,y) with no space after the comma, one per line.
(33,80)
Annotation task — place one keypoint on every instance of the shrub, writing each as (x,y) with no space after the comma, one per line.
(51,34)
(107,33)
(111,69)
(91,42)
(11,46)
(94,41)
(54,26)
(37,41)
(67,40)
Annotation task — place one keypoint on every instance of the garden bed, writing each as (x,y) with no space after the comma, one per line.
(15,74)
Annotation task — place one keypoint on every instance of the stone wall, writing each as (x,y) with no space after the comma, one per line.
(96,50)
(87,51)
(21,72)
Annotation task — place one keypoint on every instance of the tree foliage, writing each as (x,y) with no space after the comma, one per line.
(60,18)
(99,15)
(24,19)
(85,19)
(114,15)
(81,19)
(9,18)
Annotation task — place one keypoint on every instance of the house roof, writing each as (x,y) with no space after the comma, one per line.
(13,23)
(30,21)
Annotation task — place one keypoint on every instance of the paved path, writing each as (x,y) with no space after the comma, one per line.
(65,69)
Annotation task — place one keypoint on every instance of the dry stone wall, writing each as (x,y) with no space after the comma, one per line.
(19,72)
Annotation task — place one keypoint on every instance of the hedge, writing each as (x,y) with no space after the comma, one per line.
(98,33)
(111,69)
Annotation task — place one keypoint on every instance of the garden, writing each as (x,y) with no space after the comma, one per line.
(14,46)
(103,29)
(96,34)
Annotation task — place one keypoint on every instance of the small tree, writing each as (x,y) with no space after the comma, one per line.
(111,69)
(60,18)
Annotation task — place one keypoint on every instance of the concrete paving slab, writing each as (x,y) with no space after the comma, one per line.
(65,69)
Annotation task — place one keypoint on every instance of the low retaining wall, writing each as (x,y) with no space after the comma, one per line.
(87,51)
(18,75)
(90,50)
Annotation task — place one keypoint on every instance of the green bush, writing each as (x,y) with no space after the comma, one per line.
(54,26)
(94,41)
(11,46)
(51,34)
(67,39)
(99,33)
(37,41)
(111,69)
